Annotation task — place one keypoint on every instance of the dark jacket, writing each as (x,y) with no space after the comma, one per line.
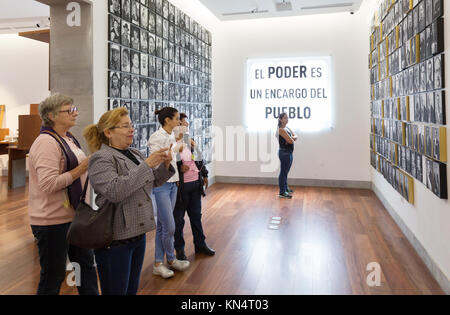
(203,173)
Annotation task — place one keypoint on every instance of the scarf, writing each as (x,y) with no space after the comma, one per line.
(74,190)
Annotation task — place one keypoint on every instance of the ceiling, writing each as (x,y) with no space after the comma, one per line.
(227,10)
(21,15)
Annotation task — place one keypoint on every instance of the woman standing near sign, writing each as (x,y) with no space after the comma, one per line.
(286,139)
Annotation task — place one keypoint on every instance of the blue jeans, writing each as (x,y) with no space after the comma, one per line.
(119,267)
(165,198)
(286,158)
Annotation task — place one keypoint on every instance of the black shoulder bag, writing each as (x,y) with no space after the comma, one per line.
(92,228)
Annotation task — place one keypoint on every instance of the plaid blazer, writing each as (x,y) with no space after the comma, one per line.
(116,178)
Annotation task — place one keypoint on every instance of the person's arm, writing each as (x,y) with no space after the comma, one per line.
(106,181)
(46,158)
(285,136)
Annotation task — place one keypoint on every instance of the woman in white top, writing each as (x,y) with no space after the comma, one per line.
(165,196)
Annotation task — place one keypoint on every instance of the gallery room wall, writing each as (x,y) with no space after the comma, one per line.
(426,222)
(339,153)
(192,8)
(23,79)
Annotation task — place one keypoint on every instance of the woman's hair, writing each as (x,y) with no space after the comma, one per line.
(52,104)
(183,116)
(94,134)
(166,112)
(280,117)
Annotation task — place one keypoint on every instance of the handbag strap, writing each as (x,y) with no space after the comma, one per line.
(83,194)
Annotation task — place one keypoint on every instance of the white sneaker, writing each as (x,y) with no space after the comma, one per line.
(180,265)
(162,271)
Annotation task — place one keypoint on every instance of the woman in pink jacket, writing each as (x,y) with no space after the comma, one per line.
(58,171)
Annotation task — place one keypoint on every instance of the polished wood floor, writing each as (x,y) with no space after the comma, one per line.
(325,241)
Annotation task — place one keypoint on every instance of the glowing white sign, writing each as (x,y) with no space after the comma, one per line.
(300,87)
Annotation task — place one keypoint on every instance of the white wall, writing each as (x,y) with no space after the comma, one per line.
(428,219)
(23,79)
(338,154)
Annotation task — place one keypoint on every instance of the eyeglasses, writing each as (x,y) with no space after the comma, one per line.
(124,126)
(72,110)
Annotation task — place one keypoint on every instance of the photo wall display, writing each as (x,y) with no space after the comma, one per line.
(408,115)
(159,57)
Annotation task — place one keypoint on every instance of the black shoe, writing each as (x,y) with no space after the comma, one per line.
(181,255)
(285,195)
(205,250)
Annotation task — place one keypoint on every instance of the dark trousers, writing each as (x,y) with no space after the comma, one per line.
(286,158)
(192,203)
(119,267)
(53,249)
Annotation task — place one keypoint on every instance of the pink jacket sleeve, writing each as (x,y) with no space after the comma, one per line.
(46,158)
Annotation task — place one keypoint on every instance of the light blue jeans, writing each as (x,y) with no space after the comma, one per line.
(165,199)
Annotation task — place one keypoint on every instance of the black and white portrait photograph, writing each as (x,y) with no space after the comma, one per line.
(413,51)
(439,101)
(438,72)
(152,5)
(159,69)
(419,167)
(144,42)
(428,141)
(428,42)
(114,57)
(126,104)
(435,139)
(135,57)
(159,6)
(429,11)
(151,67)
(159,90)
(415,20)
(430,74)
(171,52)
(126,10)
(126,33)
(165,12)
(125,60)
(408,53)
(422,17)
(416,78)
(166,29)
(135,37)
(135,12)
(144,17)
(422,45)
(171,13)
(165,70)
(114,7)
(438,9)
(144,112)
(165,55)
(159,47)
(424,107)
(135,87)
(114,84)
(431,108)
(436,179)
(159,25)
(410,25)
(125,87)
(143,136)
(152,23)
(135,112)
(136,140)
(171,33)
(144,88)
(423,77)
(151,89)
(429,174)
(113,104)
(114,29)
(144,65)
(151,44)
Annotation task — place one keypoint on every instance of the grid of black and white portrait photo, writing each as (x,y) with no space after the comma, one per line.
(408,116)
(159,57)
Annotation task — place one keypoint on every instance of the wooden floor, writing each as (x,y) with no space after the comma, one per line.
(326,239)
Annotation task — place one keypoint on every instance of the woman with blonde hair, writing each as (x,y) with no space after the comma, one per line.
(121,175)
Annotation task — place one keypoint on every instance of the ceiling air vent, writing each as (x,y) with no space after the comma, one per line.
(329,6)
(283,6)
(255,11)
